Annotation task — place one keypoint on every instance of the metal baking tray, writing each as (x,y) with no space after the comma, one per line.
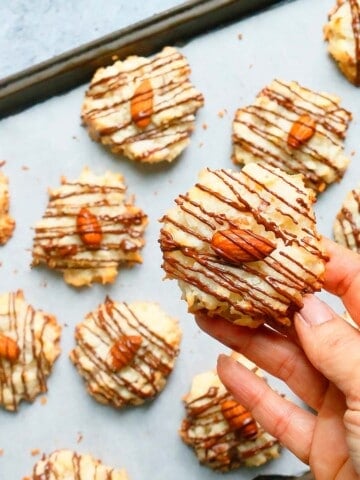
(234,48)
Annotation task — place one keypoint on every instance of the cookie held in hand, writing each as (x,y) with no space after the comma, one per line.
(244,245)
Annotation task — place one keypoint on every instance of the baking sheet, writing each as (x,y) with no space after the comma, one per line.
(47,141)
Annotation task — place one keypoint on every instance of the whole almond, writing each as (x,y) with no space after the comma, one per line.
(89,228)
(239,419)
(301,131)
(123,351)
(142,104)
(237,245)
(9,349)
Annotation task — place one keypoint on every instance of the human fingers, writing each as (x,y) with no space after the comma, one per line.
(342,276)
(272,352)
(292,425)
(333,347)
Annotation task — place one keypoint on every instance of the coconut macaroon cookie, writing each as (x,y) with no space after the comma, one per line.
(244,245)
(296,129)
(223,434)
(89,229)
(7,223)
(69,465)
(143,108)
(29,346)
(125,352)
(347,222)
(342,33)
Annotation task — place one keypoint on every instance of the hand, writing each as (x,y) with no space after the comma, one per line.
(320,364)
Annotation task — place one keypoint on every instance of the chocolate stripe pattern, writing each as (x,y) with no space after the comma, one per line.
(261,131)
(89,228)
(143,108)
(36,336)
(265,201)
(347,222)
(149,364)
(63,464)
(217,428)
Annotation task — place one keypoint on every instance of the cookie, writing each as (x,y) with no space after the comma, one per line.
(244,245)
(125,352)
(29,346)
(7,223)
(342,32)
(347,222)
(295,129)
(69,465)
(223,434)
(89,229)
(143,108)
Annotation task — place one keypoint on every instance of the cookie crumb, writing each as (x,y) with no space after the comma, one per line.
(80,437)
(43,400)
(35,451)
(222,113)
(204,126)
(240,36)
(1,452)
(25,168)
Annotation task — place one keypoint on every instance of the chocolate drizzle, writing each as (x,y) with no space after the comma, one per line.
(175,103)
(355,23)
(348,222)
(261,130)
(143,377)
(216,443)
(56,465)
(30,330)
(57,241)
(266,289)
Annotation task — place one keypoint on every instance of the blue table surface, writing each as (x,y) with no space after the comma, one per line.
(35,30)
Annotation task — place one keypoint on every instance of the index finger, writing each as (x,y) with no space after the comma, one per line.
(342,276)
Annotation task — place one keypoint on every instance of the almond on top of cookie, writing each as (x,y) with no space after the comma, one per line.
(296,129)
(89,229)
(244,245)
(143,107)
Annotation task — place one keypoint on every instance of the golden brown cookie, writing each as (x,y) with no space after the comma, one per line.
(143,108)
(125,352)
(342,33)
(347,222)
(295,129)
(244,245)
(7,223)
(89,229)
(29,346)
(69,465)
(223,434)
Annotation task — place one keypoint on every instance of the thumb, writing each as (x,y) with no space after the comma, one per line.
(333,347)
(331,344)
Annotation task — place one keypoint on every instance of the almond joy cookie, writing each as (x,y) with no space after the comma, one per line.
(342,33)
(7,224)
(244,245)
(29,346)
(223,434)
(69,465)
(143,108)
(347,222)
(89,229)
(125,352)
(295,129)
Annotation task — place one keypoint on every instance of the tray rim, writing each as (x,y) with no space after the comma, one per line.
(72,68)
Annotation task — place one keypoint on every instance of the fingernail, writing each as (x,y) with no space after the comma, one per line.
(314,311)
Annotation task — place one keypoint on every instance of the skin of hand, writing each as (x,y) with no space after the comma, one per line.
(320,362)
